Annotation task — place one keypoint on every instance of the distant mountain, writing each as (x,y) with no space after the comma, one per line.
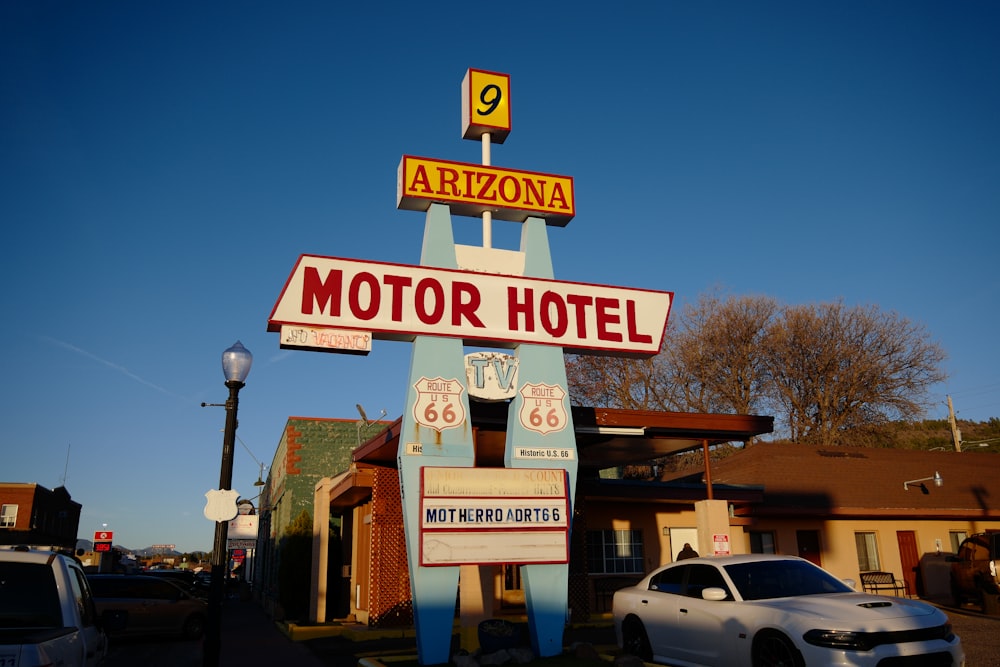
(146,552)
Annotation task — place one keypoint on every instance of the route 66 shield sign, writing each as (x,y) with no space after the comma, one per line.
(221,505)
(543,408)
(439,403)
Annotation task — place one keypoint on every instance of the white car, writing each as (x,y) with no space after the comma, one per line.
(764,610)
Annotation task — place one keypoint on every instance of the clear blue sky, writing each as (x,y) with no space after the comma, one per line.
(163,164)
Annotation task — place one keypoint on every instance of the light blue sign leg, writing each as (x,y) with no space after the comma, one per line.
(545,586)
(434,589)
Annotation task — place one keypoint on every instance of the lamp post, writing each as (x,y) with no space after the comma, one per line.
(236,363)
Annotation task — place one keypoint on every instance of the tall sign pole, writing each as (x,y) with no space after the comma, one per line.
(456,514)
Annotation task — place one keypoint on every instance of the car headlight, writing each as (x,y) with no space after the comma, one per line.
(854,641)
(866,641)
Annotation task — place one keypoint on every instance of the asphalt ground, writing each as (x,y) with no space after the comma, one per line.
(249,638)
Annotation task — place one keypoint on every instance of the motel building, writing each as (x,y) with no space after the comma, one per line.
(844,508)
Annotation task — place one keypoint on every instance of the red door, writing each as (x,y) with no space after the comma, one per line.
(808,541)
(909,558)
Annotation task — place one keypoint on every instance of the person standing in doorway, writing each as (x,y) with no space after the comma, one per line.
(687,552)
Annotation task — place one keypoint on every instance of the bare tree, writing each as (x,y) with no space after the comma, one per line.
(634,384)
(715,361)
(832,368)
(821,370)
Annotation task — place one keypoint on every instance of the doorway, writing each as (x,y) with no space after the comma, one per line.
(808,541)
(909,559)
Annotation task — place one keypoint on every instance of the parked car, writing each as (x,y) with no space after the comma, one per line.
(154,605)
(765,610)
(184,578)
(47,614)
(974,576)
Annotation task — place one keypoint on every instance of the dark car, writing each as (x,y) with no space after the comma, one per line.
(184,578)
(974,576)
(153,605)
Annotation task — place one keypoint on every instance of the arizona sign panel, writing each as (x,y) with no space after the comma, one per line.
(398,302)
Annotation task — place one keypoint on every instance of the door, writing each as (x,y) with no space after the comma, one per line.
(706,626)
(808,541)
(679,537)
(512,595)
(909,558)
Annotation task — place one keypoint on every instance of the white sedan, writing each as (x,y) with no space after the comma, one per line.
(765,610)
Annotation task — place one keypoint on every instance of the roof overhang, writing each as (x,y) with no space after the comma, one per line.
(605,437)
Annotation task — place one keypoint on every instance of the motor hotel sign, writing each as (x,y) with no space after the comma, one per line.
(398,302)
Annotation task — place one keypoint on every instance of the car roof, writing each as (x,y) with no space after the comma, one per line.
(736,558)
(29,555)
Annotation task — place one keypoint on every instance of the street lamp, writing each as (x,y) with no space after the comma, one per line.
(936,478)
(236,363)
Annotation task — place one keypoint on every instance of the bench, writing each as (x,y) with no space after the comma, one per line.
(876,582)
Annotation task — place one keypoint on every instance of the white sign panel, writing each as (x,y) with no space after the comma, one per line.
(440,482)
(243,526)
(491,376)
(325,340)
(442,548)
(398,302)
(545,453)
(493,515)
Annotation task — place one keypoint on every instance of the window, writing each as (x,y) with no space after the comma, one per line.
(867,552)
(956,538)
(670,580)
(8,516)
(701,577)
(615,552)
(762,542)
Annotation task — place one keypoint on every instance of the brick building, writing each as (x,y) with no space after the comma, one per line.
(33,515)
(308,450)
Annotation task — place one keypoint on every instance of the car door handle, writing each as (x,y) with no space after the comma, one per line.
(682,610)
(644,602)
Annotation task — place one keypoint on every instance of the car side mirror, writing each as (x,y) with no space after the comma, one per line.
(714,594)
(851,582)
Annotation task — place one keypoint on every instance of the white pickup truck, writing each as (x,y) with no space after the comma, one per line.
(47,614)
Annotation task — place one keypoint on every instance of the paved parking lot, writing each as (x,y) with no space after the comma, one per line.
(249,638)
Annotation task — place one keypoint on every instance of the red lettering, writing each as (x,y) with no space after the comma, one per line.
(354,296)
(633,335)
(317,292)
(397,283)
(432,286)
(516,308)
(536,188)
(465,307)
(551,304)
(605,318)
(502,187)
(488,185)
(420,179)
(580,303)
(448,177)
(558,196)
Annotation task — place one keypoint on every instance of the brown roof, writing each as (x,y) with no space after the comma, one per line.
(605,437)
(856,481)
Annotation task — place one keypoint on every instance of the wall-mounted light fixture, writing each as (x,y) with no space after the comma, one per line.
(937,479)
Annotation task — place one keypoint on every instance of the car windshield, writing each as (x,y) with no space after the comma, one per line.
(767,579)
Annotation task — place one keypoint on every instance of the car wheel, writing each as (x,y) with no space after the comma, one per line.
(194,627)
(635,641)
(773,649)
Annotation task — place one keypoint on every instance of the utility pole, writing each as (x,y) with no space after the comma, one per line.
(956,433)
